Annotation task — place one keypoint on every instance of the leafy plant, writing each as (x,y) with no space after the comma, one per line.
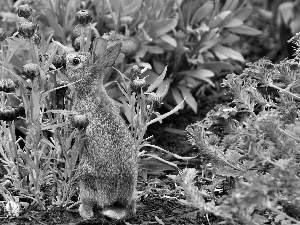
(42,163)
(193,38)
(251,145)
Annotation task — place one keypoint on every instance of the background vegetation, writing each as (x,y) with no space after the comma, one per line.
(238,163)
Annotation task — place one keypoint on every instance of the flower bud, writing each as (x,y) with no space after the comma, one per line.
(36,39)
(80,121)
(135,72)
(7,113)
(125,20)
(155,99)
(27,29)
(130,47)
(137,84)
(7,85)
(31,70)
(83,17)
(24,11)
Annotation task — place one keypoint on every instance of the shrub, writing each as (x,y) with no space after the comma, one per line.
(252,148)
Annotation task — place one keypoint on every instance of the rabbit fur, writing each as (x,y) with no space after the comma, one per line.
(108,168)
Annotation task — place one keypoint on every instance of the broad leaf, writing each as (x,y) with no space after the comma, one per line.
(245,30)
(243,13)
(233,22)
(161,27)
(168,39)
(224,53)
(177,96)
(201,74)
(189,98)
(202,12)
(230,5)
(54,23)
(220,19)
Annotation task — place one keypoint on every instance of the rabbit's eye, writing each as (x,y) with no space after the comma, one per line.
(76,61)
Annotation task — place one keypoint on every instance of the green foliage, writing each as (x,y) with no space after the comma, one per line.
(42,164)
(255,157)
(193,38)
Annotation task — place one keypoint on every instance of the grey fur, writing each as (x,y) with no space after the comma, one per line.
(108,171)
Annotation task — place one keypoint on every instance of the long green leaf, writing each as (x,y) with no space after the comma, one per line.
(205,10)
(161,27)
(178,107)
(158,81)
(245,30)
(189,98)
(224,53)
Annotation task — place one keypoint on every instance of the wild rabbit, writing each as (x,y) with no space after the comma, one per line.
(108,171)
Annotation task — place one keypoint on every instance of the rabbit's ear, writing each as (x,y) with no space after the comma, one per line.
(99,50)
(112,52)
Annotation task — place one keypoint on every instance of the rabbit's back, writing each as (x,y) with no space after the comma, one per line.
(109,144)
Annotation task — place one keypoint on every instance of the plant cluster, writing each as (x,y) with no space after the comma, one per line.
(42,162)
(252,147)
(194,38)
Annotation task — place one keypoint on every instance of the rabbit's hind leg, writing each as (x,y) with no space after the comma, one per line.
(87,197)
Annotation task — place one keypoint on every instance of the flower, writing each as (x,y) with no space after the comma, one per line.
(27,29)
(126,20)
(7,85)
(31,70)
(80,121)
(135,72)
(2,35)
(36,39)
(24,11)
(83,17)
(137,84)
(155,99)
(130,47)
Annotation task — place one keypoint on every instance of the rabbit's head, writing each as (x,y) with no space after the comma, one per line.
(89,66)
(78,65)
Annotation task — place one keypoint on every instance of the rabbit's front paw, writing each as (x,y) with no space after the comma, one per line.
(86,211)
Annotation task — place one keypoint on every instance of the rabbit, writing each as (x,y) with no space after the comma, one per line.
(109,164)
